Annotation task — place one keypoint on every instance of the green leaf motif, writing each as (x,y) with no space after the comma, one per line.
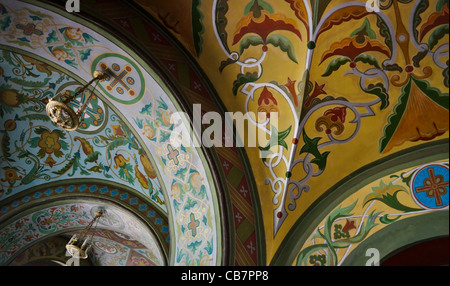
(243,79)
(125,173)
(421,7)
(85,54)
(226,63)
(20,43)
(248,41)
(4,23)
(335,65)
(52,37)
(66,167)
(393,202)
(164,136)
(114,144)
(440,4)
(194,245)
(277,139)
(88,38)
(384,31)
(437,34)
(5,146)
(72,63)
(311,147)
(209,247)
(31,83)
(92,157)
(380,92)
(284,44)
(38,13)
(365,30)
(256,6)
(197,26)
(181,173)
(339,212)
(221,22)
(190,203)
(162,104)
(384,219)
(368,59)
(302,258)
(147,110)
(399,110)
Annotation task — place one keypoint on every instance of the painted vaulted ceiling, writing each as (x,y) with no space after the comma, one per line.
(352,101)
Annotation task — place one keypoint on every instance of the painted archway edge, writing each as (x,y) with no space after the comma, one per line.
(109,193)
(110,110)
(33,225)
(413,230)
(231,197)
(214,217)
(289,250)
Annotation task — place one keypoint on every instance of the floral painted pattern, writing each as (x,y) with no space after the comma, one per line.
(54,153)
(393,58)
(109,247)
(69,45)
(104,150)
(352,222)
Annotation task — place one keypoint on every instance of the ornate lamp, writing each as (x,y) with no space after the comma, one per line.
(62,114)
(80,244)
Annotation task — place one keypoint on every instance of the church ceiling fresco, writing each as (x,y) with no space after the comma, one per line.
(35,152)
(245,227)
(131,147)
(415,191)
(39,224)
(351,86)
(110,248)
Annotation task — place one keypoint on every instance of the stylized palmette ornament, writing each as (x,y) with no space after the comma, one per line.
(62,114)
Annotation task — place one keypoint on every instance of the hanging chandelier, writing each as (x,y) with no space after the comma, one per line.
(62,114)
(80,244)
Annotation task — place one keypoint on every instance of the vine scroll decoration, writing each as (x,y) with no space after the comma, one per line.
(259,27)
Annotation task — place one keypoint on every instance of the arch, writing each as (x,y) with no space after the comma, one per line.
(397,236)
(105,50)
(66,214)
(307,223)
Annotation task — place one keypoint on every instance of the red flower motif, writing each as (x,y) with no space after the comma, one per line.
(264,25)
(351,48)
(349,225)
(267,103)
(318,90)
(337,113)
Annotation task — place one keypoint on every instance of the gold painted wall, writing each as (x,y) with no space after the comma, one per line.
(351,86)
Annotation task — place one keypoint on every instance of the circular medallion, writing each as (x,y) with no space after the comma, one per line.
(125,82)
(430,186)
